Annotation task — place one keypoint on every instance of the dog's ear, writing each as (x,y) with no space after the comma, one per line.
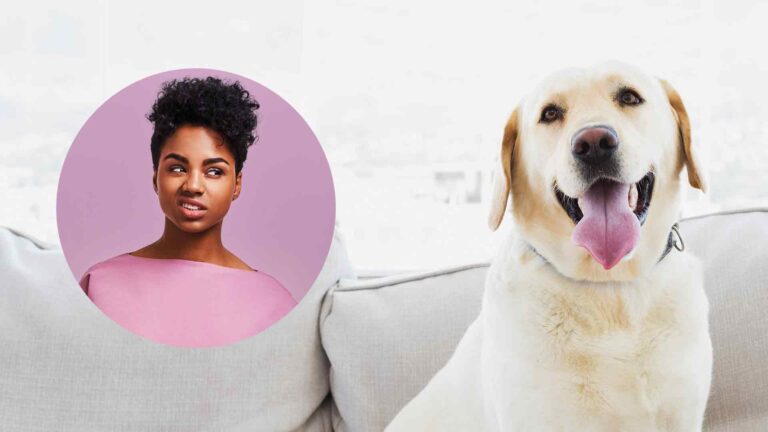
(502,180)
(692,160)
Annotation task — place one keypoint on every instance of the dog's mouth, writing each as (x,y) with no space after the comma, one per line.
(608,216)
(638,199)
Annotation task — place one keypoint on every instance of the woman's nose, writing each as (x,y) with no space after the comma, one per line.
(194,183)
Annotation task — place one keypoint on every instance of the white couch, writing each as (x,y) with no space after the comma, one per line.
(347,358)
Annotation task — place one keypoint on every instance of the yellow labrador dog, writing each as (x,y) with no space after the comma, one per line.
(588,321)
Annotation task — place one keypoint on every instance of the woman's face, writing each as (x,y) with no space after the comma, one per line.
(195,179)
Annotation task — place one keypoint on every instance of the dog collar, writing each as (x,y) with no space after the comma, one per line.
(673,240)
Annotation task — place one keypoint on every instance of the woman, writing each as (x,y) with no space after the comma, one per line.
(186,288)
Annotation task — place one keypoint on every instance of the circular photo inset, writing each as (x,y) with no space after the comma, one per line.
(195,208)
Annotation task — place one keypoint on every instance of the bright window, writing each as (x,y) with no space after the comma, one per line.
(408,98)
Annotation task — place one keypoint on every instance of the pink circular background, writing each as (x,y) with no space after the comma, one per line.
(281,224)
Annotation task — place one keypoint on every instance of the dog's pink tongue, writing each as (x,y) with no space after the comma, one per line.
(609,228)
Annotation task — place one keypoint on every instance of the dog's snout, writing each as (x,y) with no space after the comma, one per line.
(594,145)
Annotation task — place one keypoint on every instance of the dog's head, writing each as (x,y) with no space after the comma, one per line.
(592,161)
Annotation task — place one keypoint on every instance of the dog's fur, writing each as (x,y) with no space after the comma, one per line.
(561,343)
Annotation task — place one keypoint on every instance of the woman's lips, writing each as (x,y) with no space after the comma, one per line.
(192,209)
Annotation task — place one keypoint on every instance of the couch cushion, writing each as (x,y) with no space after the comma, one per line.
(732,247)
(386,338)
(66,366)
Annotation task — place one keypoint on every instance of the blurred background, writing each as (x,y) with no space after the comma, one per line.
(407,98)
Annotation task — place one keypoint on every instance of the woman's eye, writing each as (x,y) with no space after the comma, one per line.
(551,113)
(176,169)
(215,172)
(629,97)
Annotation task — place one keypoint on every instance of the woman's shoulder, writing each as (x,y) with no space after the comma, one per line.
(107,265)
(271,283)
(118,260)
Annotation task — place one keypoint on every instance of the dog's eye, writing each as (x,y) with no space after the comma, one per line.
(627,96)
(551,113)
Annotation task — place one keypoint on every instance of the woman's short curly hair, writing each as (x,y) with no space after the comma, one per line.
(226,108)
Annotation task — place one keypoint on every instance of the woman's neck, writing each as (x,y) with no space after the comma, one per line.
(205,246)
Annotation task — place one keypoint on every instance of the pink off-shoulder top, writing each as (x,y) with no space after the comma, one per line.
(186,303)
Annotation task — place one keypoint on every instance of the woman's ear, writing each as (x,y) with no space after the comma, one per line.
(238,185)
(154,180)
(502,181)
(692,160)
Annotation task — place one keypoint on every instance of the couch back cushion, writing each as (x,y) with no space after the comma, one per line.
(65,366)
(386,338)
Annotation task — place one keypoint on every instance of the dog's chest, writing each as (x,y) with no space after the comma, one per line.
(599,350)
(602,351)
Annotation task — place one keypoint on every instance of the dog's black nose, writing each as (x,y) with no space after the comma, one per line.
(594,145)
